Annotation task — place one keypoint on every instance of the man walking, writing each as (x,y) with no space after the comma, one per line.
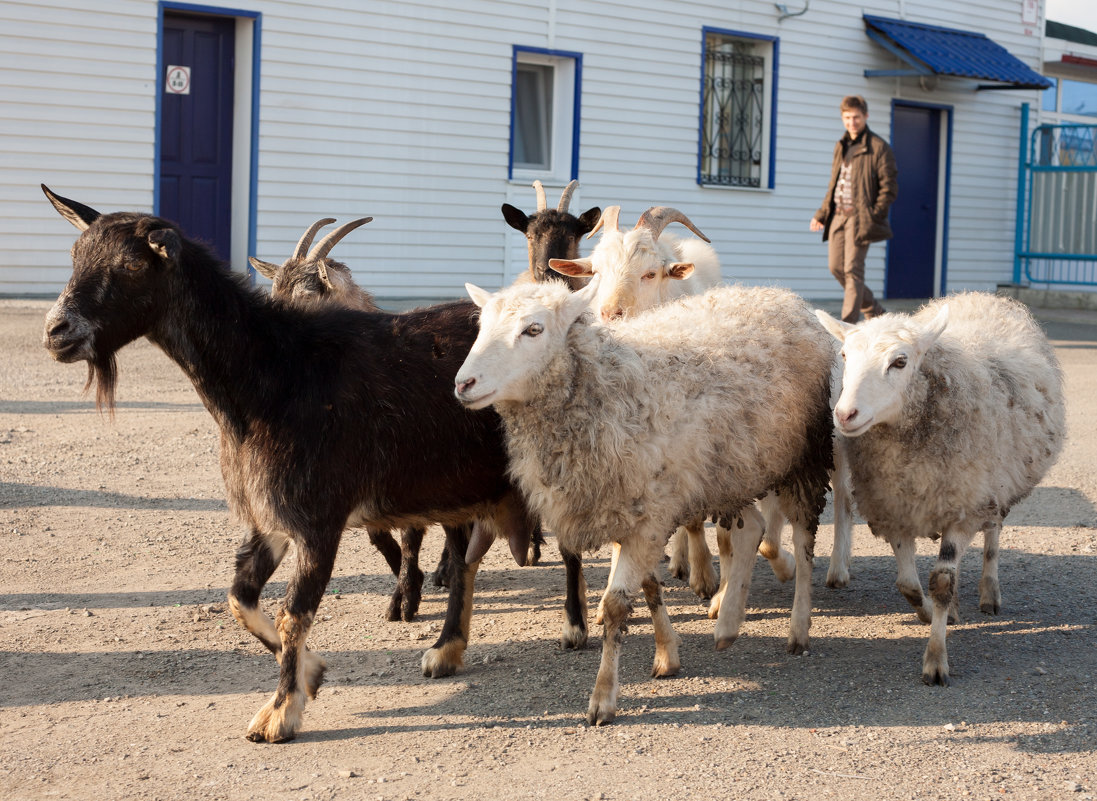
(855,210)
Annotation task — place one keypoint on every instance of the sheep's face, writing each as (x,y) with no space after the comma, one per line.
(636,274)
(881,357)
(521,329)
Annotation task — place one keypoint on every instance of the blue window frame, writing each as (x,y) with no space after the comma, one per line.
(544,114)
(738,125)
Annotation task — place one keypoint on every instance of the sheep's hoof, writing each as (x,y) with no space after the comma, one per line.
(599,714)
(314,669)
(838,581)
(277,723)
(680,572)
(705,587)
(573,637)
(990,607)
(936,675)
(724,643)
(796,647)
(923,615)
(714,605)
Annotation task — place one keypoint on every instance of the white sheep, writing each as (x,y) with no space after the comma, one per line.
(641,269)
(618,434)
(949,418)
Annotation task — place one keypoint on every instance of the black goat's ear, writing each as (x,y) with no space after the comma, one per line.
(515,217)
(588,219)
(264,268)
(76,213)
(165,243)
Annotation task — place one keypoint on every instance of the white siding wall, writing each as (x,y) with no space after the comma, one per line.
(402,112)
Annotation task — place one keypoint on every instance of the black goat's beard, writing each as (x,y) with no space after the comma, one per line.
(103,372)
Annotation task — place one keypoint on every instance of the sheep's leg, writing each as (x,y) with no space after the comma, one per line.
(781,561)
(409,584)
(679,554)
(301,670)
(803,540)
(942,589)
(990,594)
(838,571)
(447,655)
(908,582)
(599,616)
(637,561)
(256,560)
(702,578)
(666,639)
(383,541)
(746,534)
(575,602)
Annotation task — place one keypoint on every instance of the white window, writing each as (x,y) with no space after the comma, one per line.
(544,116)
(738,86)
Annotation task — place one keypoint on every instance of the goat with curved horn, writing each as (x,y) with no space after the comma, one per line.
(657,218)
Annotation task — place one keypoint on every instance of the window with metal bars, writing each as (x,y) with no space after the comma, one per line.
(736,104)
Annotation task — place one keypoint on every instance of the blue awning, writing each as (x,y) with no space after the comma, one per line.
(933,50)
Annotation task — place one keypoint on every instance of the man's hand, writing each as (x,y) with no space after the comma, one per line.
(816,225)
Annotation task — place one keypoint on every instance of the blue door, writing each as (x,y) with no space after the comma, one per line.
(196,127)
(912,252)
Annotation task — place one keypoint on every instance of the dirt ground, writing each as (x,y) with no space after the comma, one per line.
(125,676)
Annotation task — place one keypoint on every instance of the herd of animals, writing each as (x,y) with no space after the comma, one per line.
(625,398)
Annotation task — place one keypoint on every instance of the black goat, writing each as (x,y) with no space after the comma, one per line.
(550,232)
(330,417)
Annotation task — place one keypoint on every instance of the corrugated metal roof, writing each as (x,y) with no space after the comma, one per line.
(933,50)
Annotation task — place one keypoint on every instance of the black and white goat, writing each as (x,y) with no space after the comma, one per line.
(330,417)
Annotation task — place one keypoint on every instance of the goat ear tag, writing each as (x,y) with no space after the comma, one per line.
(165,243)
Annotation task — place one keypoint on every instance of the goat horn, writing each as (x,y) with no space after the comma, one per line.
(608,218)
(324,246)
(657,218)
(542,203)
(565,197)
(306,238)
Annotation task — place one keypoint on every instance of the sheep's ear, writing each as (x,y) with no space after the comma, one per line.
(576,268)
(837,328)
(165,243)
(264,268)
(680,270)
(933,330)
(515,217)
(479,296)
(76,213)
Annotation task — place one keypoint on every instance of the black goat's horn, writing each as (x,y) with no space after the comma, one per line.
(306,238)
(324,246)
(542,202)
(565,197)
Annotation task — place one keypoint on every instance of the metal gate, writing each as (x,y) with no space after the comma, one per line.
(1056,237)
